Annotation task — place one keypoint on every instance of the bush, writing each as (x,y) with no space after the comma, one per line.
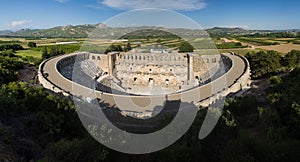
(113,48)
(275,80)
(31,44)
(8,69)
(186,47)
(292,59)
(264,63)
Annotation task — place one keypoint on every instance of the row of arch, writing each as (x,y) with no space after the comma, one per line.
(96,57)
(153,58)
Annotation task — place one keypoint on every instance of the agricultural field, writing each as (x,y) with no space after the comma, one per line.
(257,41)
(29,53)
(38,41)
(238,44)
(282,48)
(282,45)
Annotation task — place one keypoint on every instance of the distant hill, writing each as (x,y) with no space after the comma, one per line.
(5,32)
(83,31)
(218,31)
(69,31)
(223,31)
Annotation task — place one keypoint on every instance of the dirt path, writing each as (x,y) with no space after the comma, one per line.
(226,40)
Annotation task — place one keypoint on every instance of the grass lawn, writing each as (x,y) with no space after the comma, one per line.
(24,53)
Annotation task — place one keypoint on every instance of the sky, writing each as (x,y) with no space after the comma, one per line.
(254,14)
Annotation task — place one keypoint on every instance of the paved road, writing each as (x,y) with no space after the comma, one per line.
(196,94)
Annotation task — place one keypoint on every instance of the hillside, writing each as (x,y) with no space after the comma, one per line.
(83,31)
(68,31)
(218,31)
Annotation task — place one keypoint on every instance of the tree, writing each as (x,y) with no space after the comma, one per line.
(54,51)
(264,63)
(113,48)
(45,54)
(8,69)
(128,47)
(275,80)
(298,35)
(158,41)
(292,58)
(238,44)
(186,47)
(9,53)
(31,44)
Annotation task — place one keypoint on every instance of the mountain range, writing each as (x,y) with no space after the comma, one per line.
(83,31)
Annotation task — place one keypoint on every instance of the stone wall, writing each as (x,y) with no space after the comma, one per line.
(168,69)
(42,77)
(241,83)
(100,60)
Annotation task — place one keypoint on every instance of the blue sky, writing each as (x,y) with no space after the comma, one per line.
(254,14)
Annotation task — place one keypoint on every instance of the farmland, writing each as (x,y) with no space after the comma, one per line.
(282,48)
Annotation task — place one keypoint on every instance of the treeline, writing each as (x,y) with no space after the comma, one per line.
(296,41)
(118,48)
(274,35)
(67,48)
(53,51)
(230,45)
(271,62)
(11,47)
(257,41)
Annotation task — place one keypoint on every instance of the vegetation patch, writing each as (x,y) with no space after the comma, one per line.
(259,42)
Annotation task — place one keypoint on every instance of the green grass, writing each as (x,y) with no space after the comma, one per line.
(29,53)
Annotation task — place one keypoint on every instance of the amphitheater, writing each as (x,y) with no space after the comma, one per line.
(139,76)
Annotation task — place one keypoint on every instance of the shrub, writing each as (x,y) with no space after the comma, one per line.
(275,80)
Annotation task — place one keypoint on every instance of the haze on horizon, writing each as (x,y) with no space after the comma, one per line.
(255,14)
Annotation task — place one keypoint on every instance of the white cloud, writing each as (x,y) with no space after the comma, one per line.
(164,4)
(20,23)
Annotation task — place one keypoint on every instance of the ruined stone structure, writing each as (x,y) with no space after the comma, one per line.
(105,70)
(170,71)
